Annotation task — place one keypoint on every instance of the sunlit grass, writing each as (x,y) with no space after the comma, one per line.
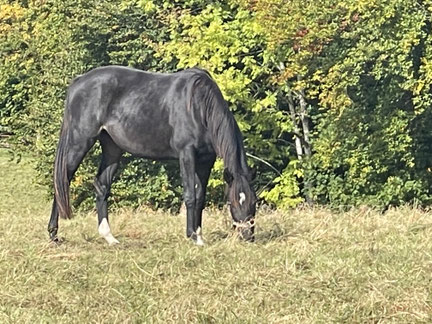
(307,266)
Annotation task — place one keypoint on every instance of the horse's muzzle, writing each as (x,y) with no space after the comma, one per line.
(246,230)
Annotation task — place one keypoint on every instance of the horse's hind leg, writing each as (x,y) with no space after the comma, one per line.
(76,153)
(111,155)
(53,222)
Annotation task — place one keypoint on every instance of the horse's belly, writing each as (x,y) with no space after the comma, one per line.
(148,142)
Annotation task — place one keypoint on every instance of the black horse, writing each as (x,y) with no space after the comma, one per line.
(158,116)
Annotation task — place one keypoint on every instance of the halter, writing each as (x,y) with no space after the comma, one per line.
(244,225)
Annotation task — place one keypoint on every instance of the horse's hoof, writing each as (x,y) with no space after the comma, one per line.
(56,240)
(52,232)
(113,242)
(197,238)
(199,242)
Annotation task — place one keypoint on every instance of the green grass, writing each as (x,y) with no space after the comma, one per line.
(307,266)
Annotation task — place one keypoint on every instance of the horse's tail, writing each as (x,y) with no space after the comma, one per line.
(61,181)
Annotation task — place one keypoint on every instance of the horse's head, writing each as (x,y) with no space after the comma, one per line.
(242,200)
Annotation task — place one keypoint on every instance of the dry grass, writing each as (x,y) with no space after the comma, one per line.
(307,266)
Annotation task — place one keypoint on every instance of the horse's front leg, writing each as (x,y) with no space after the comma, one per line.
(187,169)
(203,169)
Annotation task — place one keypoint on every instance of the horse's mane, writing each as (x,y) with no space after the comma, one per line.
(219,120)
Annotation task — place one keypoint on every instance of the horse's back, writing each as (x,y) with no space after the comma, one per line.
(145,113)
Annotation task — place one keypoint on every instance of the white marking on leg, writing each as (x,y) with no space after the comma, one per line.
(105,232)
(199,240)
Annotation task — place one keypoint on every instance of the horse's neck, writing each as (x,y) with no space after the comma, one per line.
(235,159)
(228,140)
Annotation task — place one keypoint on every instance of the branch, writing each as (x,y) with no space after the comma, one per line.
(265,162)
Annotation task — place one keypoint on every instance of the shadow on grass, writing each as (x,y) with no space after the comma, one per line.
(218,235)
(262,235)
(276,233)
(126,242)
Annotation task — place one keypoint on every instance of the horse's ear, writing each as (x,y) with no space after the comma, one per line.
(228,177)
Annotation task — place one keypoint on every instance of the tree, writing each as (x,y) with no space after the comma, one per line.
(228,41)
(357,65)
(335,95)
(49,43)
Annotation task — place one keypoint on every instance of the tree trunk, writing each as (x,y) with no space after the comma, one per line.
(306,144)
(297,105)
(305,124)
(297,131)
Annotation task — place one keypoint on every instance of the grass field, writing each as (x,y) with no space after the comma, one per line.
(307,266)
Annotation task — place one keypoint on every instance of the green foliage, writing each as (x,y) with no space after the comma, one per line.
(286,192)
(362,66)
(228,41)
(366,142)
(359,72)
(60,41)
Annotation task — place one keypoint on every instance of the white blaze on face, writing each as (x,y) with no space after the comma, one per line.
(105,232)
(242,198)
(199,240)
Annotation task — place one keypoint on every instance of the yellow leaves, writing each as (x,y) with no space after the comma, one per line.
(332,85)
(218,168)
(318,75)
(233,84)
(11,11)
(78,181)
(426,70)
(287,74)
(14,57)
(10,14)
(419,86)
(335,99)
(285,193)
(147,5)
(269,101)
(326,148)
